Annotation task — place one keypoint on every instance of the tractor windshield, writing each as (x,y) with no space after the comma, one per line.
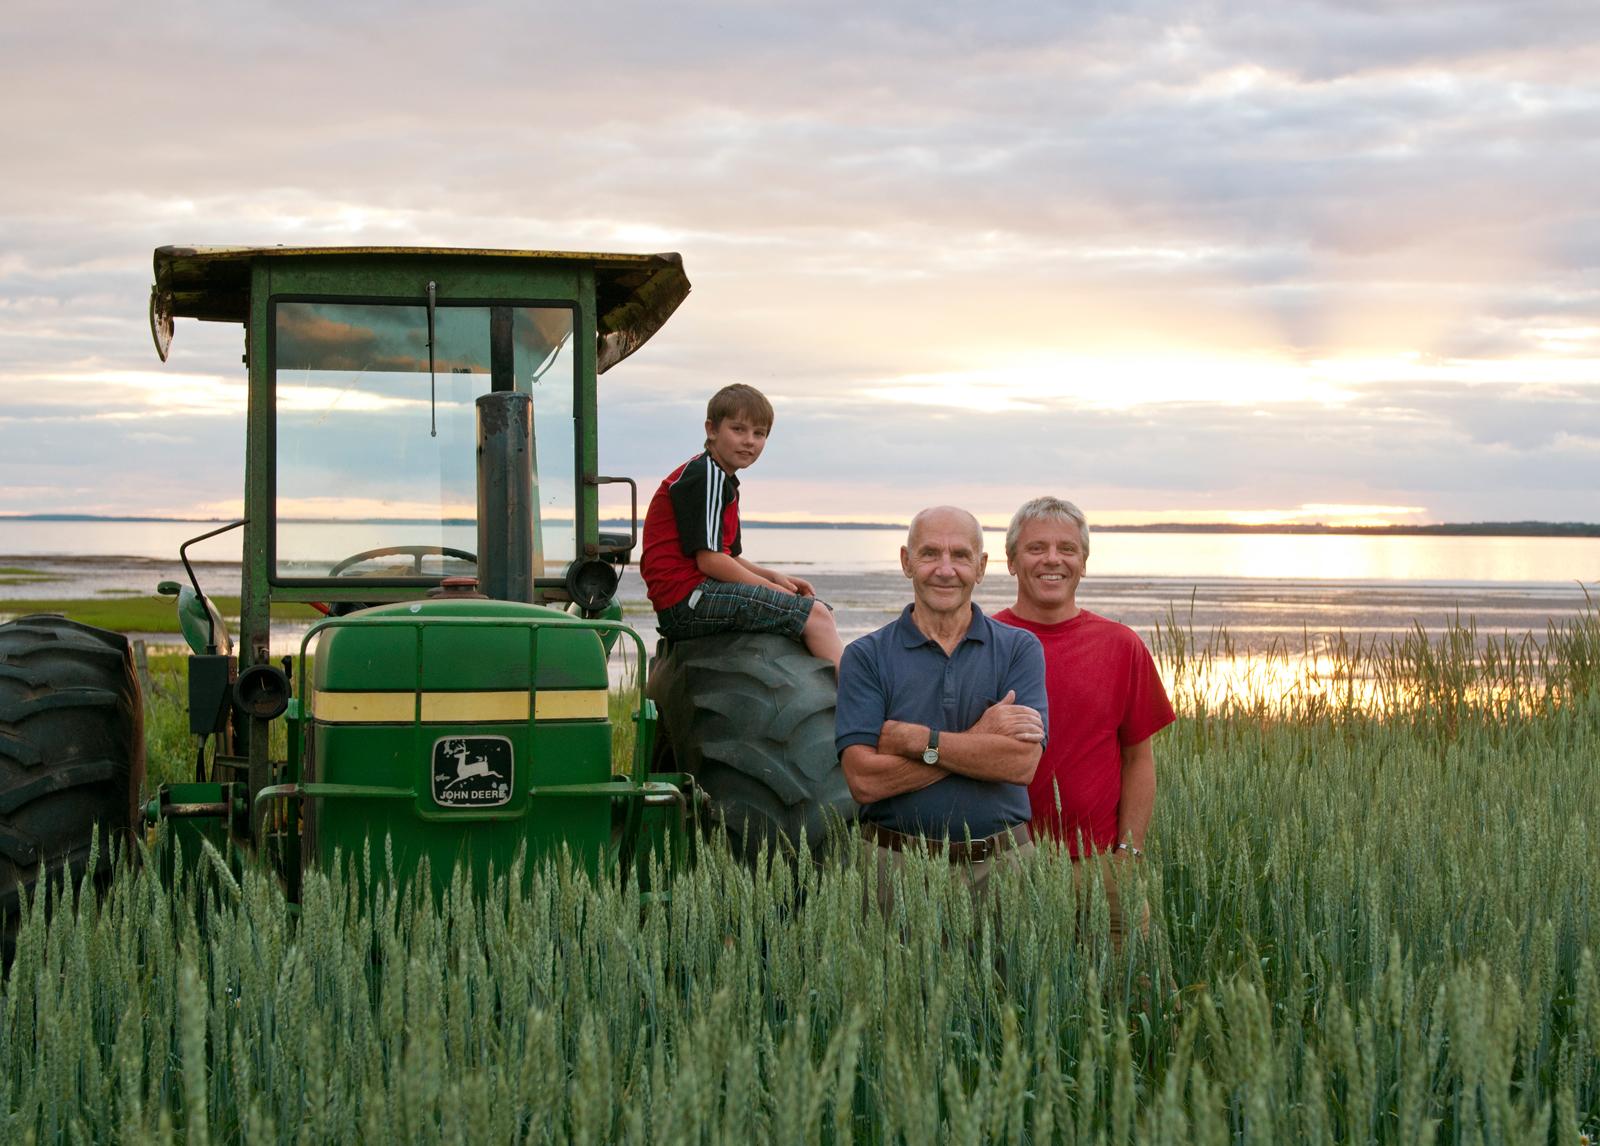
(376,440)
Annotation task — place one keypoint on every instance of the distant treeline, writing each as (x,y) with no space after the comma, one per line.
(1448,529)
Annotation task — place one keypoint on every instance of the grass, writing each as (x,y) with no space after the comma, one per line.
(1375,922)
(137,614)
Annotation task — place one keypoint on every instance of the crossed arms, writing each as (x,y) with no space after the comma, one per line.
(1004,745)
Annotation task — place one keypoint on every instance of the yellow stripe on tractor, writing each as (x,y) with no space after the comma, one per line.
(458,707)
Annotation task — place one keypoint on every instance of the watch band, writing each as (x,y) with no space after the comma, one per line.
(930,754)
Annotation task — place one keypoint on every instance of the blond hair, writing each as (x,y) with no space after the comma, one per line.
(1045,509)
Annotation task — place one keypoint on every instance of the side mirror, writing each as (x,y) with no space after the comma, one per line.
(198,618)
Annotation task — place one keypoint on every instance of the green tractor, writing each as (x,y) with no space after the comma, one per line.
(421,469)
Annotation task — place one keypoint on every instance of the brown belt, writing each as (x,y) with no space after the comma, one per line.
(969,851)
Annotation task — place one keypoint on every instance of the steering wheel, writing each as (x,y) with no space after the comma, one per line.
(415,552)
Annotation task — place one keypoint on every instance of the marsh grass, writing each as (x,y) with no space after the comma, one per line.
(136,613)
(1374,923)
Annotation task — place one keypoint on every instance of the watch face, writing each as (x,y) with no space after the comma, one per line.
(930,756)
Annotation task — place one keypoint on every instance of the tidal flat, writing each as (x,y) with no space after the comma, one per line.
(1258,615)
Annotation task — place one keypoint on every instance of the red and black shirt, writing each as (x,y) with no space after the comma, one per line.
(696,507)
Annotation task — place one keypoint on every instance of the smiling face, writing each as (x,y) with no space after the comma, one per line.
(736,441)
(944,558)
(1048,564)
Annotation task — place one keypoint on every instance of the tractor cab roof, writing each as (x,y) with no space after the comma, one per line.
(634,294)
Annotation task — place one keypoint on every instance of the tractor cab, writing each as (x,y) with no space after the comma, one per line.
(422,468)
(366,367)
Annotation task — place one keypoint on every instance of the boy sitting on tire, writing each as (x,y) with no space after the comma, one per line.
(698,581)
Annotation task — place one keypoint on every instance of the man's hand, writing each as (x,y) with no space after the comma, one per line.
(1007,718)
(902,738)
(874,776)
(1004,745)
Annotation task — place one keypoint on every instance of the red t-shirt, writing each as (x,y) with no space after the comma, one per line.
(1104,694)
(695,508)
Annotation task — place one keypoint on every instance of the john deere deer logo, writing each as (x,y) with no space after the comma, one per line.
(472,771)
(468,769)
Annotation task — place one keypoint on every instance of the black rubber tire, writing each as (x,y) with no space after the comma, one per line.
(750,715)
(71,751)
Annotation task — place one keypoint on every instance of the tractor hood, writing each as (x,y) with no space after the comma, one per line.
(634,294)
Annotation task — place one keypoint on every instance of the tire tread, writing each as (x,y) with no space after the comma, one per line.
(71,749)
(752,717)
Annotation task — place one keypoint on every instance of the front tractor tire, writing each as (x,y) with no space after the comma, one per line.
(71,752)
(750,715)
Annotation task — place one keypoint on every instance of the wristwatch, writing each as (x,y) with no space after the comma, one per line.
(1130,849)
(930,754)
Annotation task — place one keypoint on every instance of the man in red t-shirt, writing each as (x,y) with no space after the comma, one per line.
(1095,788)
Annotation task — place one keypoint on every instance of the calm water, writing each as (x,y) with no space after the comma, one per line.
(1439,560)
(1268,592)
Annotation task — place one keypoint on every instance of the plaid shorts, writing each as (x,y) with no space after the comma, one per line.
(727,606)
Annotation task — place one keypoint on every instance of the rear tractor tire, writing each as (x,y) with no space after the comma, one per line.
(71,752)
(750,715)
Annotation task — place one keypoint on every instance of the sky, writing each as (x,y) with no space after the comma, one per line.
(1259,261)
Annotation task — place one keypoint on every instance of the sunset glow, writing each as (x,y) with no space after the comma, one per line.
(1245,265)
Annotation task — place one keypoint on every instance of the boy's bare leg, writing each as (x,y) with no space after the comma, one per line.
(821,635)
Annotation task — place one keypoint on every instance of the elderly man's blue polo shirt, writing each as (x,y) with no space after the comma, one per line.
(900,673)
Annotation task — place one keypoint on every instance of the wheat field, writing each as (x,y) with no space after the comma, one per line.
(1372,875)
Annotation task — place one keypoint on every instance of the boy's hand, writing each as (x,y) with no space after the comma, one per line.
(802,587)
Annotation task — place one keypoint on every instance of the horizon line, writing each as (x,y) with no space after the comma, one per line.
(1525,528)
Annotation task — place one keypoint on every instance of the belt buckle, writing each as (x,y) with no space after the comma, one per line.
(978,851)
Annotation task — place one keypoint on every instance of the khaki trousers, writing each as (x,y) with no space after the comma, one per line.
(886,864)
(1114,875)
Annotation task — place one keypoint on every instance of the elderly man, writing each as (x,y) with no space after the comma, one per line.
(940,720)
(1095,786)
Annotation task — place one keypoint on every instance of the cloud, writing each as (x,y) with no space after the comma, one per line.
(1171,254)
(1397,445)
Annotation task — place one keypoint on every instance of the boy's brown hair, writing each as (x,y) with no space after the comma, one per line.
(732,401)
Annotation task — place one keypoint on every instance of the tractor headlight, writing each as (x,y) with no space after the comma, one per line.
(592,583)
(262,691)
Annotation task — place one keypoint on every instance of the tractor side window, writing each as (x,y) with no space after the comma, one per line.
(376,458)
(545,368)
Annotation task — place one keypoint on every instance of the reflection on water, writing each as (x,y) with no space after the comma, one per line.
(1245,616)
(1311,641)
(1207,556)
(1438,672)
(1336,557)
(1278,683)
(1437,676)
(1195,557)
(1214,673)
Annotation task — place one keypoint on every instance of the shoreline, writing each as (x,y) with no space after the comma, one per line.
(1257,614)
(1552,529)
